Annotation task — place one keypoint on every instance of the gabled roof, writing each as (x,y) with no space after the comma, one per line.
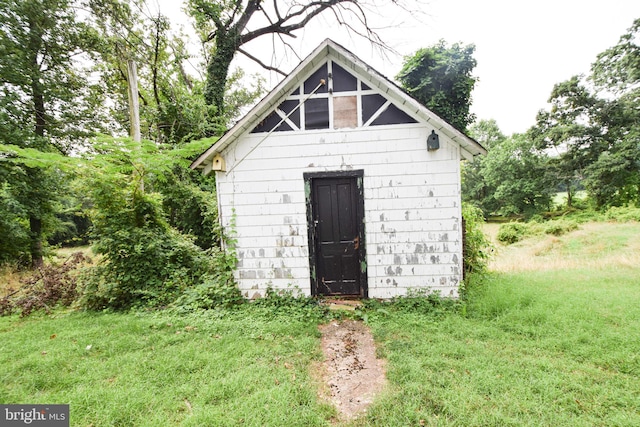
(330,49)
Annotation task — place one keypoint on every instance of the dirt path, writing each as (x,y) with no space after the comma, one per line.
(351,372)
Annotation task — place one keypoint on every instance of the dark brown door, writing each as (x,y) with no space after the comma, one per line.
(337,235)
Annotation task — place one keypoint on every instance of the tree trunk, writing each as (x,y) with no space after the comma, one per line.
(569,196)
(37,253)
(218,70)
(40,123)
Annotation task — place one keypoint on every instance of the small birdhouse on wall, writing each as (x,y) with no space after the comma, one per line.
(218,163)
(433,141)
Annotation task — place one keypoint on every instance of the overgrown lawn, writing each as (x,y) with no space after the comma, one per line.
(159,369)
(534,346)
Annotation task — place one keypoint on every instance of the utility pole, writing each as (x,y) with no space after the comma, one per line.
(134,105)
(134,112)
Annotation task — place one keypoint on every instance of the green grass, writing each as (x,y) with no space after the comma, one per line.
(555,348)
(156,370)
(542,342)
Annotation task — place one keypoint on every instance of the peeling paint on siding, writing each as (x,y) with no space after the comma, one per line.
(412,237)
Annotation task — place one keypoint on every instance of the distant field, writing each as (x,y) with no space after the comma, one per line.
(598,245)
(561,197)
(550,338)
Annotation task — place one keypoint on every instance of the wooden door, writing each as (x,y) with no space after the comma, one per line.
(336,243)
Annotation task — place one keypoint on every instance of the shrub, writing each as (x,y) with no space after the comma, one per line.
(145,261)
(560,227)
(143,267)
(512,232)
(622,214)
(477,246)
(217,290)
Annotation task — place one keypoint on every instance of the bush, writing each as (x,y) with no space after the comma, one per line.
(622,214)
(143,268)
(512,232)
(477,246)
(560,227)
(145,263)
(218,289)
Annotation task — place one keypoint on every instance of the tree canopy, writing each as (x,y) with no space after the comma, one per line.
(440,77)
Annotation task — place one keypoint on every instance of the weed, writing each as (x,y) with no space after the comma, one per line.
(290,304)
(211,293)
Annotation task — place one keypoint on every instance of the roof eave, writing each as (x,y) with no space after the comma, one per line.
(469,147)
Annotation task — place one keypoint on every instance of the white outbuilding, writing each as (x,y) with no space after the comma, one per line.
(339,183)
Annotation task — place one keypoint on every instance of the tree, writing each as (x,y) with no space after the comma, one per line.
(475,188)
(46,101)
(614,178)
(618,68)
(592,127)
(572,132)
(518,172)
(230,25)
(440,77)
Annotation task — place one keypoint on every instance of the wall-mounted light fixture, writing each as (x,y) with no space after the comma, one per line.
(433,141)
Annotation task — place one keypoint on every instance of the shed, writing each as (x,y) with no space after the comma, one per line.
(338,183)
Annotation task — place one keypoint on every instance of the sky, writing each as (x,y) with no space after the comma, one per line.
(523,47)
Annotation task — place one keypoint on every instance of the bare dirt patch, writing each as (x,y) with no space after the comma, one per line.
(352,373)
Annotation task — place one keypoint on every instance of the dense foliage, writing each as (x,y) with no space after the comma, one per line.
(477,247)
(440,77)
(48,103)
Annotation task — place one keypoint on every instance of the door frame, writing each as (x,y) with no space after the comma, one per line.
(309,177)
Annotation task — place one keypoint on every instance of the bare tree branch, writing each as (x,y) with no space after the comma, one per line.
(307,12)
(262,64)
(236,23)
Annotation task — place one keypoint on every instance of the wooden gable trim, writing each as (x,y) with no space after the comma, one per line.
(350,62)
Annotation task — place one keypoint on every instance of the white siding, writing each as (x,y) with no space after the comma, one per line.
(412,206)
